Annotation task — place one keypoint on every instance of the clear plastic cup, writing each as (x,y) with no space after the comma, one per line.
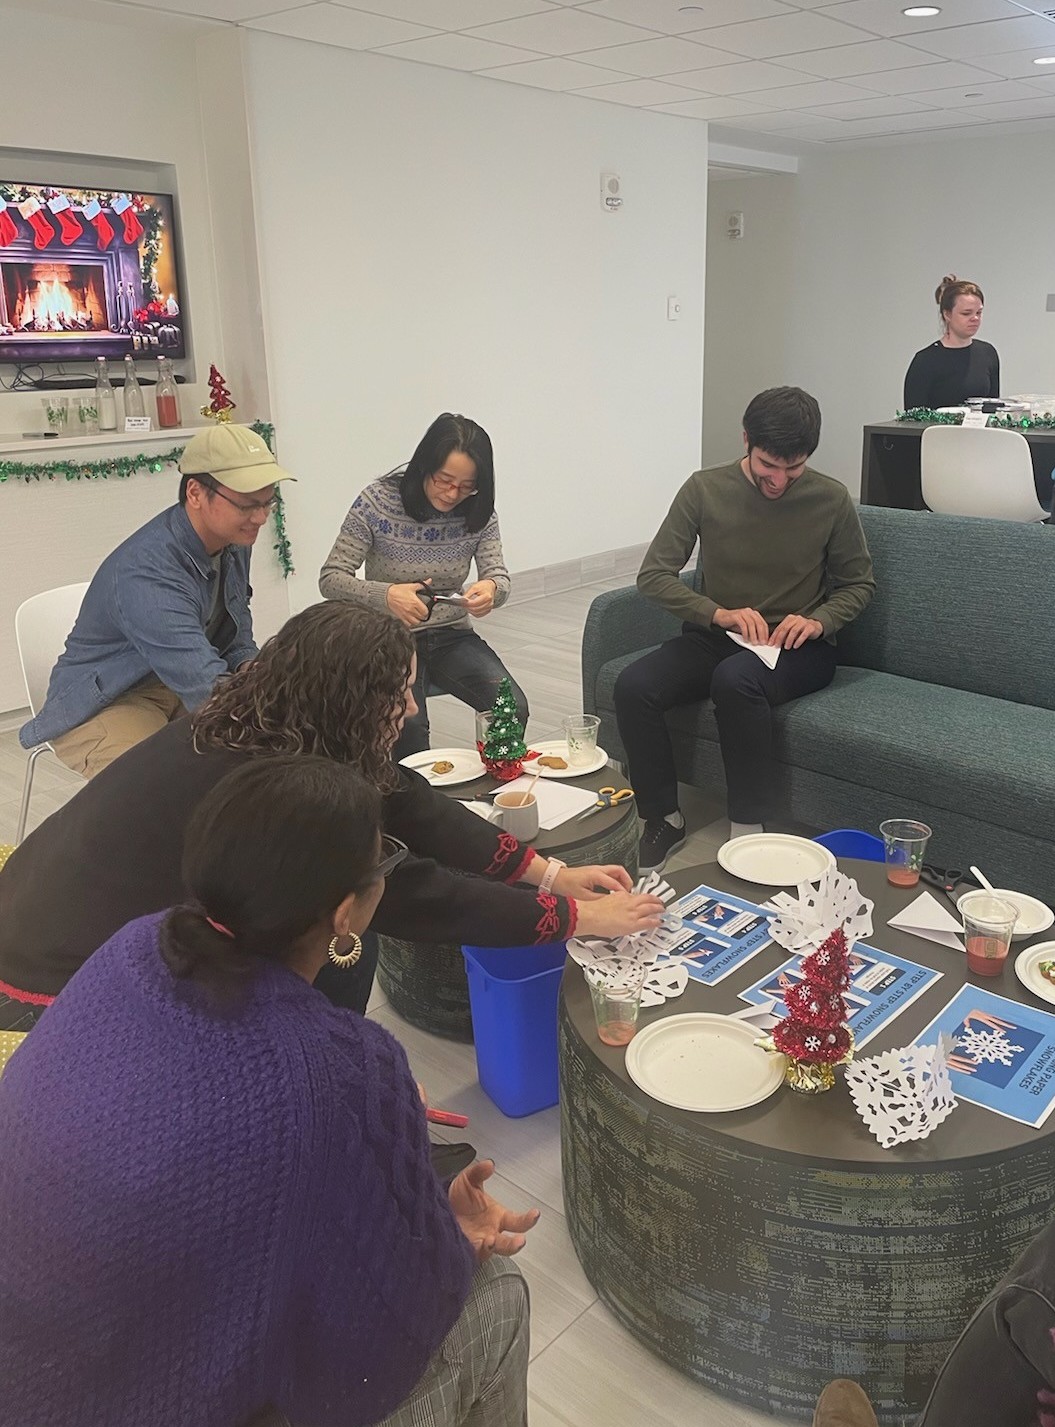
(581,733)
(616,1005)
(988,922)
(56,412)
(905,843)
(88,415)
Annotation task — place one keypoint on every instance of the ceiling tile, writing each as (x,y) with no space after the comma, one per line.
(457,52)
(783,35)
(814,130)
(334,25)
(884,17)
(743,77)
(1038,108)
(878,108)
(771,122)
(663,55)
(444,14)
(641,93)
(232,10)
(1019,65)
(993,37)
(805,96)
(552,73)
(930,119)
(673,17)
(846,61)
(710,108)
(561,31)
(998,91)
(928,77)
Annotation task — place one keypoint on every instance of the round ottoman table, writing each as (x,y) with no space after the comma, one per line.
(425,981)
(769,1250)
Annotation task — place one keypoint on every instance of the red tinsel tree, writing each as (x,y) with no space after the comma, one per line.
(220,405)
(814,1031)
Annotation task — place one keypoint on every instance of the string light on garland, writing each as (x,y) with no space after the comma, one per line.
(123,467)
(1009,421)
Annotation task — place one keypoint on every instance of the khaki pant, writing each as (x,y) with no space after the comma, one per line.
(92,746)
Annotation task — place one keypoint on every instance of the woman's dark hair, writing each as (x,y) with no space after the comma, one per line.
(785,421)
(951,288)
(326,683)
(446,434)
(270,852)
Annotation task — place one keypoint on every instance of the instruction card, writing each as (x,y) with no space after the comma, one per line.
(720,933)
(1004,1056)
(881,986)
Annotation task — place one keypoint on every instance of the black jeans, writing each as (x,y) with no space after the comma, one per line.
(702,662)
(458,662)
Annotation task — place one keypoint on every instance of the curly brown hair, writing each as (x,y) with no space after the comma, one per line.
(327,683)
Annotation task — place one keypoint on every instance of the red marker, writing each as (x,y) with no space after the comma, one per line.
(446,1117)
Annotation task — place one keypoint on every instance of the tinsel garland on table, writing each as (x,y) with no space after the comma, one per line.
(122,467)
(1011,421)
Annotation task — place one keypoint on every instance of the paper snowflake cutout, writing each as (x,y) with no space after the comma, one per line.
(624,959)
(834,903)
(903,1094)
(987,1047)
(664,982)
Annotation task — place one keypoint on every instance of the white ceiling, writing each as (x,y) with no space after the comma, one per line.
(801,74)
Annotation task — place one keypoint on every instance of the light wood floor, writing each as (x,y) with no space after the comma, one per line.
(585,1370)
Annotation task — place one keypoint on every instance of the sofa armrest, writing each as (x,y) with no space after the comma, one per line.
(621,622)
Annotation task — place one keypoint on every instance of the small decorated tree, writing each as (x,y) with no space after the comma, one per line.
(814,1035)
(504,747)
(220,404)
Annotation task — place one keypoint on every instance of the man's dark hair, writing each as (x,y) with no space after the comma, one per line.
(203,480)
(785,421)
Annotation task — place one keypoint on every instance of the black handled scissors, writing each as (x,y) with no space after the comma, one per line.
(430,597)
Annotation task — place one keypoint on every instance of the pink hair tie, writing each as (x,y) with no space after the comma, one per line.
(219,927)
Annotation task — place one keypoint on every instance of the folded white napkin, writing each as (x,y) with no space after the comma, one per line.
(927,918)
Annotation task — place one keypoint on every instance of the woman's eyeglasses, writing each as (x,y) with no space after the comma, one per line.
(392,854)
(450,486)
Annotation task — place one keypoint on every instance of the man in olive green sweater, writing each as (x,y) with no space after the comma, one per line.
(784,564)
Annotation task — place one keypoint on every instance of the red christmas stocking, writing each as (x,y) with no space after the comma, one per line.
(99,221)
(8,227)
(68,221)
(122,205)
(33,213)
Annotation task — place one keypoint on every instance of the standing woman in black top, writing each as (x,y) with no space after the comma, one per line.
(957,365)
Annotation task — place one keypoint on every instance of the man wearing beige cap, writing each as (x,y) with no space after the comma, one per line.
(167,613)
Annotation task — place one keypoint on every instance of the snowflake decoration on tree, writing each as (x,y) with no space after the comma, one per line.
(987,1047)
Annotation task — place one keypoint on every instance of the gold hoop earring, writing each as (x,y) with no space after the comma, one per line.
(350,957)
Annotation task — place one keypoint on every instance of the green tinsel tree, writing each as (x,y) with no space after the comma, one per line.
(504,746)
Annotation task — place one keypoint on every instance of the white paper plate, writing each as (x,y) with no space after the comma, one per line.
(703,1062)
(775,859)
(558,747)
(467,765)
(1034,916)
(1026,964)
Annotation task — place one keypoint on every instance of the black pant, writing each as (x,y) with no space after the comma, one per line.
(702,662)
(458,662)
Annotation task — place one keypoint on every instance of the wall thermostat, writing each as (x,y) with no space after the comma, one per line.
(611,192)
(734,225)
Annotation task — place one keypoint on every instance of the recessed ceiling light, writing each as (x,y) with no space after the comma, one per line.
(921,12)
(1048,59)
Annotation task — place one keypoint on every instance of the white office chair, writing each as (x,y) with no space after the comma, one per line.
(976,471)
(42,624)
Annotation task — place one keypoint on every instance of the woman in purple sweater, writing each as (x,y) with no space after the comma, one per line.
(216,1193)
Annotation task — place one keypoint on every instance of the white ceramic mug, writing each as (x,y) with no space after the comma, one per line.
(516,812)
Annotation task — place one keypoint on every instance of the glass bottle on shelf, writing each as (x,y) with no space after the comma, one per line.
(104,397)
(167,395)
(134,405)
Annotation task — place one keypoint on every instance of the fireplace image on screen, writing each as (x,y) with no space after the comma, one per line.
(87,274)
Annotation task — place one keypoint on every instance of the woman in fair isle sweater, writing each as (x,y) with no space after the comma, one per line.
(423,525)
(216,1186)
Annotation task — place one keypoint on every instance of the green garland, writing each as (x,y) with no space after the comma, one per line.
(122,467)
(1011,421)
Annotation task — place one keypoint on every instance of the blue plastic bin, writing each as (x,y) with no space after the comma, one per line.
(513,997)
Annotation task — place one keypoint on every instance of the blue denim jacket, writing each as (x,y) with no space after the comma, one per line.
(145,613)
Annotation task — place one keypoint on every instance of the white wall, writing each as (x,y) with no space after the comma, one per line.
(831,288)
(434,241)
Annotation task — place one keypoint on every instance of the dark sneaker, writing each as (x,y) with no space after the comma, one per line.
(658,841)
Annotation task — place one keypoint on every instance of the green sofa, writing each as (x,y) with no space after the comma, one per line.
(942,708)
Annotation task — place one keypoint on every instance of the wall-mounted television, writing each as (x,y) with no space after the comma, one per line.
(87,272)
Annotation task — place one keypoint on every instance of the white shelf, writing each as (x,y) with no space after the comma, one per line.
(16,446)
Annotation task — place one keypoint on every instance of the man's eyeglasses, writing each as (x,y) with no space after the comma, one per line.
(445,483)
(248,507)
(392,854)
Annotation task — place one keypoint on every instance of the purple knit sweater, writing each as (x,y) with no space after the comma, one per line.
(202,1214)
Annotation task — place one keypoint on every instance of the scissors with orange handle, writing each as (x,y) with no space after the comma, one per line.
(607,798)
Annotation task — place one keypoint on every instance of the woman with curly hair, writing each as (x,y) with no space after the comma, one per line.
(336,682)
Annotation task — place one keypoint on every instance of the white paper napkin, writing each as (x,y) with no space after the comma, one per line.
(557,802)
(927,918)
(768,653)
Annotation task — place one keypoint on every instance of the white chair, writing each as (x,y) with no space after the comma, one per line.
(976,471)
(42,624)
